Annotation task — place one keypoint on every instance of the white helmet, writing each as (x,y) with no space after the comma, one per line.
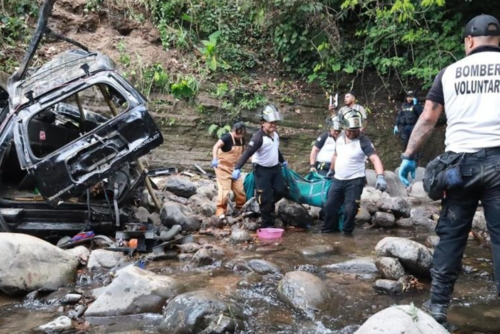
(352,120)
(271,114)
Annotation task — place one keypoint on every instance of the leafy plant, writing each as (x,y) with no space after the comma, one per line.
(185,88)
(219,130)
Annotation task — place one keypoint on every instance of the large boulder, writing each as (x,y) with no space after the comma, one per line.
(101,258)
(384,219)
(206,188)
(417,190)
(421,216)
(415,257)
(180,186)
(177,214)
(294,214)
(395,187)
(201,312)
(263,267)
(397,205)
(304,291)
(30,263)
(134,291)
(401,319)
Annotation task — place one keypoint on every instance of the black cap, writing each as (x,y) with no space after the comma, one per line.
(482,25)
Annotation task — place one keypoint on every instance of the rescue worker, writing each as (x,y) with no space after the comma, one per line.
(324,147)
(348,174)
(350,103)
(226,151)
(407,118)
(267,161)
(468,92)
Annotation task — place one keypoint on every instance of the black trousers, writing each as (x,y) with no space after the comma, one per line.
(270,188)
(481,174)
(347,193)
(405,135)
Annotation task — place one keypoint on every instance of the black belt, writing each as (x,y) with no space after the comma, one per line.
(486,152)
(323,165)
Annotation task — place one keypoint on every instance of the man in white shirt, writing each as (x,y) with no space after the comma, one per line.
(347,170)
(324,148)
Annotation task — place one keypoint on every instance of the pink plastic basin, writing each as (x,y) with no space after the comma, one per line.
(270,233)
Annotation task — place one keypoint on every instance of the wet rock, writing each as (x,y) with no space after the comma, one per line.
(372,194)
(185,257)
(77,312)
(81,253)
(387,286)
(432,241)
(215,250)
(180,186)
(384,219)
(203,257)
(363,265)
(294,214)
(206,188)
(250,280)
(417,190)
(155,219)
(404,222)
(141,214)
(134,291)
(57,326)
(394,185)
(201,312)
(250,224)
(370,206)
(363,216)
(314,212)
(390,268)
(319,250)
(397,205)
(479,222)
(176,214)
(190,247)
(30,263)
(310,268)
(101,258)
(263,267)
(70,299)
(202,205)
(240,236)
(420,216)
(304,291)
(415,257)
(401,319)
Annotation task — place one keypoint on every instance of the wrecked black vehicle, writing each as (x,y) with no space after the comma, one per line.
(71,135)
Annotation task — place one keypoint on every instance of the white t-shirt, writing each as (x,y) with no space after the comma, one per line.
(326,145)
(351,156)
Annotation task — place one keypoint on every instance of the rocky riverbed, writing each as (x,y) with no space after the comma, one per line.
(226,280)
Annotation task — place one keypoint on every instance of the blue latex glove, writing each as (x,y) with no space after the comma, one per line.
(408,166)
(381,184)
(415,101)
(284,163)
(215,163)
(236,174)
(396,130)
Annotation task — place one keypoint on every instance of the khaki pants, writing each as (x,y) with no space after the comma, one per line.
(226,184)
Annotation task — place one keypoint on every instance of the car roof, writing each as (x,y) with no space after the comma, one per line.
(64,68)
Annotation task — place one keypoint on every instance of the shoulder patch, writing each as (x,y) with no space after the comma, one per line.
(319,139)
(250,143)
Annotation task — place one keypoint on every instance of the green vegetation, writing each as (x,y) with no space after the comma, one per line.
(330,42)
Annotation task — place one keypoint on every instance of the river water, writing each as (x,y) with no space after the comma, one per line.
(475,307)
